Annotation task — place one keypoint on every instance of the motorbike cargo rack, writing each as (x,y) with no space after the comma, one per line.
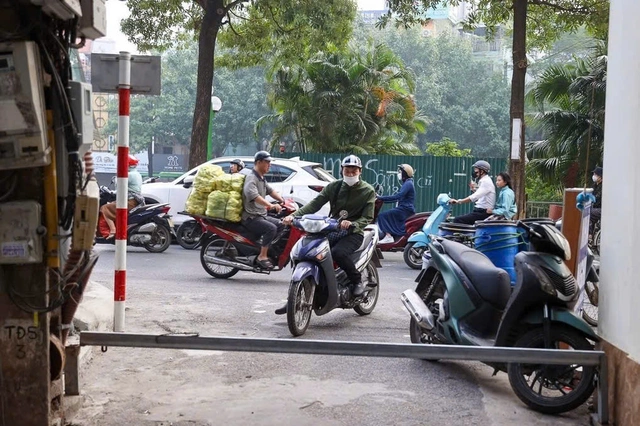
(363,349)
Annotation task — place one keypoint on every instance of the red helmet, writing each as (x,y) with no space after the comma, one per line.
(133,161)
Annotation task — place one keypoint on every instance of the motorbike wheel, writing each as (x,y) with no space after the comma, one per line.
(300,305)
(160,240)
(189,234)
(213,248)
(590,304)
(552,389)
(429,296)
(370,301)
(413,255)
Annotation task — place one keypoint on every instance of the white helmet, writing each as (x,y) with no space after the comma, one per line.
(351,160)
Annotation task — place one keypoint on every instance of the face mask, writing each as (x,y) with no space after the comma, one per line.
(351,180)
(400,176)
(594,178)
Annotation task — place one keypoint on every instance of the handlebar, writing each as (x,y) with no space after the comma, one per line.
(527,228)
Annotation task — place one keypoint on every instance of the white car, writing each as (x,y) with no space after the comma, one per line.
(291,177)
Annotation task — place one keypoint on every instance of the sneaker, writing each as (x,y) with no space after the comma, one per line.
(386,240)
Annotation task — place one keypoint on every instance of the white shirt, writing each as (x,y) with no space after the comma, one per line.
(485,195)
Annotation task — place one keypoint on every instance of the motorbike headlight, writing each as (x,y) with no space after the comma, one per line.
(545,282)
(312,225)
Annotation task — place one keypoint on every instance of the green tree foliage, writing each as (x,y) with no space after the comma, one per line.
(549,19)
(465,98)
(271,24)
(446,148)
(570,103)
(360,100)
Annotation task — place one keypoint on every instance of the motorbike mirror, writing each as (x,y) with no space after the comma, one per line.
(113,179)
(343,214)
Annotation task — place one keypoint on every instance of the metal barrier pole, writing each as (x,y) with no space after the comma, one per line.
(323,347)
(603,391)
(120,275)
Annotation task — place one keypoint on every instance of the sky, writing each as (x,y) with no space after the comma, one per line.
(117,11)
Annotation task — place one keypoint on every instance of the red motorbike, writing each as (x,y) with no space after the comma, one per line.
(229,247)
(412,224)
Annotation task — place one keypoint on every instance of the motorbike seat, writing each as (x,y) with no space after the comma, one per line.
(368,236)
(493,284)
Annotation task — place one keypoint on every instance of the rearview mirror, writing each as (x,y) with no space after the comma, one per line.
(188,181)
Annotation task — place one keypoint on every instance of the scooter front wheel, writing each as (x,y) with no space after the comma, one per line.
(552,389)
(300,305)
(413,255)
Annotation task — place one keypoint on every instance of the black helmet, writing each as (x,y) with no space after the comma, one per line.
(482,165)
(238,162)
(262,155)
(597,171)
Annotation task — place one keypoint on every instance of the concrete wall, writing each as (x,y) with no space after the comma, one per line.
(620,246)
(619,300)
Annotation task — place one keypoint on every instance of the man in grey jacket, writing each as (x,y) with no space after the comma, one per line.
(256,206)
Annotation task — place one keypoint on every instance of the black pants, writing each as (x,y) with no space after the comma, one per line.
(471,218)
(266,227)
(341,252)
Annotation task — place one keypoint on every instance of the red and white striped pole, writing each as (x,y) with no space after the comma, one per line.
(120,279)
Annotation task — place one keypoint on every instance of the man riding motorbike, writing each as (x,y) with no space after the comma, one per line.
(134,197)
(392,221)
(254,215)
(357,198)
(484,197)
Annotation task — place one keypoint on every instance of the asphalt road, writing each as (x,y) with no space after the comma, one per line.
(171,293)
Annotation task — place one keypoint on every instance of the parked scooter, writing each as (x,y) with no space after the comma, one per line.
(412,224)
(148,225)
(229,247)
(463,299)
(315,284)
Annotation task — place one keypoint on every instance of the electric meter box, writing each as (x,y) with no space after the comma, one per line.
(23,126)
(80,98)
(20,232)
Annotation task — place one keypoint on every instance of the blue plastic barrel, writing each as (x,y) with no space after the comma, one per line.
(456,231)
(500,241)
(524,238)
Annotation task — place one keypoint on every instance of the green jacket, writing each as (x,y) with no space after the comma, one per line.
(358,200)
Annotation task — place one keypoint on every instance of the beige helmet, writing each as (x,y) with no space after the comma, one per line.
(407,169)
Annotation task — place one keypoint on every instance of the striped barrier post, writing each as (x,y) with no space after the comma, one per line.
(120,278)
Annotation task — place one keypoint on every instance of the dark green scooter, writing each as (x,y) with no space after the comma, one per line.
(463,299)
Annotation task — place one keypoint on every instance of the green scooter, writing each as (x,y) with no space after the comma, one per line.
(463,299)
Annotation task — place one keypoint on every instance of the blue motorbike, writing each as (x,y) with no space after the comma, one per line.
(316,284)
(419,241)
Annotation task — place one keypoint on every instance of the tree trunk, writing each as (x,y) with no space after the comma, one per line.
(206,50)
(517,166)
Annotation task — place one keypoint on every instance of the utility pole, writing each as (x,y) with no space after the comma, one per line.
(517,163)
(45,201)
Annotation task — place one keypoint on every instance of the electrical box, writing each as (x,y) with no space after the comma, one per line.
(80,99)
(93,23)
(21,232)
(85,219)
(62,9)
(23,127)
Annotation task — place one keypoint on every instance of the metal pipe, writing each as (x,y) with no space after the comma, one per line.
(603,391)
(120,275)
(319,347)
